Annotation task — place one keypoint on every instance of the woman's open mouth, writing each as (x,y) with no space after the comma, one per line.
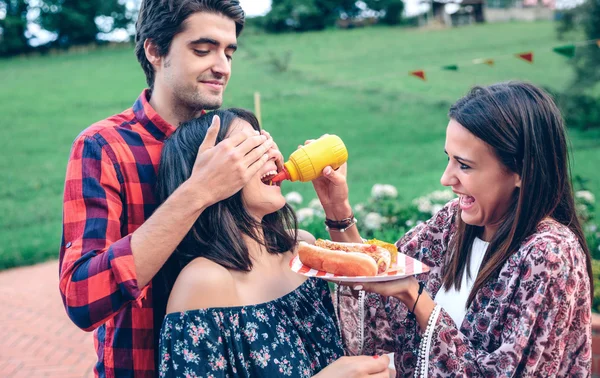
(267,178)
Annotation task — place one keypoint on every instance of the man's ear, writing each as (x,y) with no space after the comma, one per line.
(152,53)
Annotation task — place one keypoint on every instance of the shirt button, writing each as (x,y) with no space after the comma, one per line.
(68,245)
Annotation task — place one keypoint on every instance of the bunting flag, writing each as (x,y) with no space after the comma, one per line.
(568,50)
(564,50)
(420,74)
(528,56)
(489,62)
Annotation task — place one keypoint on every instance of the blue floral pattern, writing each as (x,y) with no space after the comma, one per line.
(292,336)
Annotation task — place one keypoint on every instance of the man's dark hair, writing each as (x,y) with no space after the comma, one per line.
(161,20)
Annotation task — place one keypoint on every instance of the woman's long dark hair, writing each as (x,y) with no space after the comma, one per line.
(217,233)
(524,128)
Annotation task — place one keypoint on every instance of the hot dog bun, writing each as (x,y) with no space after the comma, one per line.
(336,262)
(381,256)
(344,259)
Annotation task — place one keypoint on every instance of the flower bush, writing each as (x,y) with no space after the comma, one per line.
(385,217)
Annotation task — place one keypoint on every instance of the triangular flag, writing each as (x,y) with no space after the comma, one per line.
(489,62)
(528,56)
(568,51)
(420,74)
(452,67)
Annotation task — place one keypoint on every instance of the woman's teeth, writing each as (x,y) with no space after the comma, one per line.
(466,200)
(267,178)
(270,173)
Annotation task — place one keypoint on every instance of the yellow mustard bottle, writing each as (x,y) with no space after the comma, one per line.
(307,162)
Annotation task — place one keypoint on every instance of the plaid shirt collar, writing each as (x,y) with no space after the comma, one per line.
(149,119)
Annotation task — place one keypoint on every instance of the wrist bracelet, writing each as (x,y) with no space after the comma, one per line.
(421,286)
(341,225)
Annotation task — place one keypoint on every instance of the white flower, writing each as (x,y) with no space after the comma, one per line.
(304,214)
(293,198)
(442,195)
(358,208)
(585,195)
(591,228)
(423,204)
(581,209)
(435,208)
(315,204)
(373,221)
(410,223)
(384,191)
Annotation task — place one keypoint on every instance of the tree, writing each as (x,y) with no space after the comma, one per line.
(13,27)
(304,15)
(581,100)
(393,10)
(74,21)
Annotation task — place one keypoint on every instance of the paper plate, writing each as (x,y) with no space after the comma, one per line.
(405,267)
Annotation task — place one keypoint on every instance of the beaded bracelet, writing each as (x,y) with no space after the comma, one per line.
(423,355)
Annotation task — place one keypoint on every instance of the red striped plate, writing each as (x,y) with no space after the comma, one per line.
(406,266)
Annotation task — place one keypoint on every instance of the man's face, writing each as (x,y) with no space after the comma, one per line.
(197,67)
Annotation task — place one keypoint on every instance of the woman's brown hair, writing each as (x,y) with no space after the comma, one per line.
(524,128)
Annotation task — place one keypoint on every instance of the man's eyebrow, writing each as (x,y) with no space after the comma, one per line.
(213,42)
(460,158)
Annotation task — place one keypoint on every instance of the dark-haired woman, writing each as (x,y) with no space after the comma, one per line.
(235,308)
(509,292)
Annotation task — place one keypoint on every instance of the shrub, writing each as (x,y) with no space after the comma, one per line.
(385,217)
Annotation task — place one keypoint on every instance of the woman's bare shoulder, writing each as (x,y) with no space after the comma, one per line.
(203,284)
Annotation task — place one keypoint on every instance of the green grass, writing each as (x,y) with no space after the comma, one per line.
(353,83)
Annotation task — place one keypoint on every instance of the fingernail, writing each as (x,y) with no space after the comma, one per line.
(358,287)
(375,357)
(327,171)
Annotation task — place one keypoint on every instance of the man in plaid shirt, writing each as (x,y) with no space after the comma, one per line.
(115,239)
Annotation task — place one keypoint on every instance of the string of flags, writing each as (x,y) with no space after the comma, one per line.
(566,50)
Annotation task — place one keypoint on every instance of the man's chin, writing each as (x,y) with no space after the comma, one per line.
(212,106)
(210,102)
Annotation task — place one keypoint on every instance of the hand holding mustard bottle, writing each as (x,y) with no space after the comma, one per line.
(308,161)
(324,162)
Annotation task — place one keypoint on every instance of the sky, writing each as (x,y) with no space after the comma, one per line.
(261,7)
(255,7)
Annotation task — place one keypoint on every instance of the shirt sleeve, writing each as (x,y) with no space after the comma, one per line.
(97,271)
(428,241)
(543,328)
(381,325)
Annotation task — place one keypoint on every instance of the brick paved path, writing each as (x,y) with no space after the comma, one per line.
(37,339)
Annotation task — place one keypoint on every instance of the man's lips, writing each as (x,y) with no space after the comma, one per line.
(213,84)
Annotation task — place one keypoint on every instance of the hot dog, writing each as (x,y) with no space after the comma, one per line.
(345,259)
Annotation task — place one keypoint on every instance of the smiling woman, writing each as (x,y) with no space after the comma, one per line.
(232,299)
(509,291)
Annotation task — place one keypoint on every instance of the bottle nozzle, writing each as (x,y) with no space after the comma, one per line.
(283,175)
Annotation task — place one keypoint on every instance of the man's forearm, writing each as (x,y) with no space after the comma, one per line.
(154,242)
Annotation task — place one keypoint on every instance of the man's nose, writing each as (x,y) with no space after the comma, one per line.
(222,66)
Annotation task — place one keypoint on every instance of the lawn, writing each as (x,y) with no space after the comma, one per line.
(352,83)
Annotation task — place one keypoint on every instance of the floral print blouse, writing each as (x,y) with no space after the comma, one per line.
(292,336)
(534,320)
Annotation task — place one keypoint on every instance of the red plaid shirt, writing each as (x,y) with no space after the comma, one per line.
(108,195)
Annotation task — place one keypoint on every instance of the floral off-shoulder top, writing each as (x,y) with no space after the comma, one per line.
(292,336)
(534,320)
